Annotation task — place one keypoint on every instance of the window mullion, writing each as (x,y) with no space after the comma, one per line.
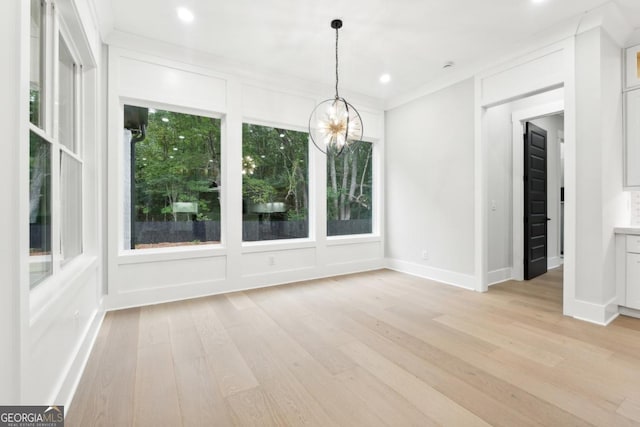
(54,70)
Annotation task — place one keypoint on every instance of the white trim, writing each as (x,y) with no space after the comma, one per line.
(554,262)
(499,276)
(144,297)
(600,314)
(481,196)
(626,311)
(453,278)
(517,119)
(71,379)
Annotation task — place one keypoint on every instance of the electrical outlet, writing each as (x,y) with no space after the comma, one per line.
(425,255)
(76,319)
(494,205)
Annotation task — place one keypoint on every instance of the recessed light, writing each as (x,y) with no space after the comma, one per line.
(185,14)
(385,78)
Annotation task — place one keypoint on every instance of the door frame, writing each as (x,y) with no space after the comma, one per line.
(518,119)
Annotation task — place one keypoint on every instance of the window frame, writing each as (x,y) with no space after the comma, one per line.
(295,243)
(128,255)
(375,171)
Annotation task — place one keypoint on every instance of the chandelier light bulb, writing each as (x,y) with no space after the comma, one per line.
(334,123)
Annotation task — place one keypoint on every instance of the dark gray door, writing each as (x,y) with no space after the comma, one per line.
(535,201)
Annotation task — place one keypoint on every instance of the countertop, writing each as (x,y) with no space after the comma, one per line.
(627,230)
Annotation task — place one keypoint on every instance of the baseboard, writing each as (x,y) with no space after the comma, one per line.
(498,276)
(630,312)
(453,278)
(147,297)
(599,314)
(554,262)
(76,369)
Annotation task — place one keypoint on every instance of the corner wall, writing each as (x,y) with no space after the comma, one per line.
(429,185)
(601,201)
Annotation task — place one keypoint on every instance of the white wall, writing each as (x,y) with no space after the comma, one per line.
(499,158)
(13,108)
(150,73)
(601,203)
(429,185)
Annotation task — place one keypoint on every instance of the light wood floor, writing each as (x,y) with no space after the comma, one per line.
(379,348)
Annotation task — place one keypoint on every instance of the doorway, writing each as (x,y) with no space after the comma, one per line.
(551,222)
(549,117)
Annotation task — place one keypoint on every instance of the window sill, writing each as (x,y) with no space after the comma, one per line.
(352,239)
(277,245)
(136,256)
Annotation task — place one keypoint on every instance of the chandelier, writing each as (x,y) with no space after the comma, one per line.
(334,123)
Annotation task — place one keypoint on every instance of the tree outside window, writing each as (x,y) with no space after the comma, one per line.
(349,190)
(275,187)
(177,179)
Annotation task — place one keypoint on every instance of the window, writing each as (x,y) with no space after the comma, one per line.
(66,96)
(71,207)
(349,190)
(175,178)
(36,70)
(40,260)
(55,162)
(275,188)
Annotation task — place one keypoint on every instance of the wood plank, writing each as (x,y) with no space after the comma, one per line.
(630,409)
(298,406)
(201,402)
(382,400)
(156,396)
(428,400)
(240,300)
(255,408)
(112,397)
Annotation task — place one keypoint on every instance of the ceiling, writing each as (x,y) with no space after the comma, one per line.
(409,39)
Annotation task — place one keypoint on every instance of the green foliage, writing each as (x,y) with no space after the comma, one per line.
(281,168)
(178,161)
(257,190)
(34,106)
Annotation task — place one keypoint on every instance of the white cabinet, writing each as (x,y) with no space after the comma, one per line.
(632,277)
(628,269)
(632,299)
(632,139)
